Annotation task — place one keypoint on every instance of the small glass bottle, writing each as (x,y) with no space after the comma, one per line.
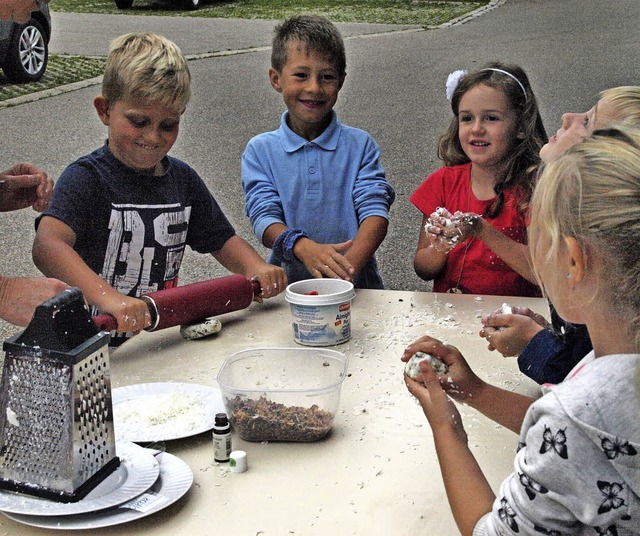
(221,438)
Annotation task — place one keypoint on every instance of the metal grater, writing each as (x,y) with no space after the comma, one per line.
(56,416)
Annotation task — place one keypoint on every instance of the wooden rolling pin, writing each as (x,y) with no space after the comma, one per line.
(192,303)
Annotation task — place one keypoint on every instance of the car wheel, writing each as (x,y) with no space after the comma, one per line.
(124,4)
(28,54)
(191,4)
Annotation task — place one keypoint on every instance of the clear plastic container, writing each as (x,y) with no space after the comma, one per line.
(282,394)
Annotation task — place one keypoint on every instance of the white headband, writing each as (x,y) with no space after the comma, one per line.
(524,91)
(454,78)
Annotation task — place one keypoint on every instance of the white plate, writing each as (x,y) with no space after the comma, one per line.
(150,412)
(174,481)
(138,470)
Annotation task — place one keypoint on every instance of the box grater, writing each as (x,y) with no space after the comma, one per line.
(56,417)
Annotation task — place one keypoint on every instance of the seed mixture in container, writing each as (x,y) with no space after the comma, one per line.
(257,420)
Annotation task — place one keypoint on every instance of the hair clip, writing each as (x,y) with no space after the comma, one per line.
(453,80)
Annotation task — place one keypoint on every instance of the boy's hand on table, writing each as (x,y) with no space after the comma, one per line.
(325,260)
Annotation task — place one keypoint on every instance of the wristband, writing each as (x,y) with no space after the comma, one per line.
(283,245)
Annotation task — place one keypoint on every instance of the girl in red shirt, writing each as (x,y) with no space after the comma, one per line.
(474,233)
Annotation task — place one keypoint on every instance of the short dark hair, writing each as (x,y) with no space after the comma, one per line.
(318,34)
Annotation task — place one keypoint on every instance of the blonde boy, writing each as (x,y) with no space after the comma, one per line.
(121,217)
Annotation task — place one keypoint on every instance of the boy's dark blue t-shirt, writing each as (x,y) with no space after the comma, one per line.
(132,228)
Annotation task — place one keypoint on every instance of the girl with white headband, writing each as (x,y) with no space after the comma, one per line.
(474,233)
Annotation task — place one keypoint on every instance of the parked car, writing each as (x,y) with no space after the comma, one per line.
(24,48)
(186,4)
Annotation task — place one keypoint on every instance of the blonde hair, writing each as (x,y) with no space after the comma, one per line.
(624,104)
(148,67)
(592,193)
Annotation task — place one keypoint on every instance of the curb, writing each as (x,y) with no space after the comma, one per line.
(31,97)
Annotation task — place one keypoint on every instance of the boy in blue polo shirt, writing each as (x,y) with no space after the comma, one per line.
(315,190)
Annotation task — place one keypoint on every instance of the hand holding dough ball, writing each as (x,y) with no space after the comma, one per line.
(412,368)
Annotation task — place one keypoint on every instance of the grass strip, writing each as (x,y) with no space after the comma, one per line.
(421,12)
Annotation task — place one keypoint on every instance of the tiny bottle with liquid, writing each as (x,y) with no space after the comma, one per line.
(221,438)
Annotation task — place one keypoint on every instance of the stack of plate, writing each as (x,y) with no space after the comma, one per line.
(147,480)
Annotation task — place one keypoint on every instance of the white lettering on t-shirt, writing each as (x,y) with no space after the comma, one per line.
(146,245)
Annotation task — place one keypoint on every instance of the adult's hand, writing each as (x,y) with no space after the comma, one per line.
(24,185)
(19,296)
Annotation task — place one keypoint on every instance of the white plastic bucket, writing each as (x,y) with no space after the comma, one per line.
(322,319)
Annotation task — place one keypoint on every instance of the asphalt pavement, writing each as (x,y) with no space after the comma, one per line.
(570,49)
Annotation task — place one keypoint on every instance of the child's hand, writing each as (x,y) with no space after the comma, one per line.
(440,411)
(273,280)
(468,224)
(325,260)
(460,382)
(510,333)
(132,314)
(442,231)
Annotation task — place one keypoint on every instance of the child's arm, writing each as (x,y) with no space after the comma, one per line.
(54,255)
(239,257)
(468,491)
(428,261)
(514,254)
(461,383)
(322,260)
(371,233)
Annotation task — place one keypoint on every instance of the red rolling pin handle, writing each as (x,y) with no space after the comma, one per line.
(190,303)
(106,322)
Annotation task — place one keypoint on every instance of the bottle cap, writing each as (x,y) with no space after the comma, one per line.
(221,419)
(238,461)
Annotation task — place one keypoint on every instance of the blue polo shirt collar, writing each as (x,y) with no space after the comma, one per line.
(328,140)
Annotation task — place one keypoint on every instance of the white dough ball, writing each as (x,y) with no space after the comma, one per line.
(412,368)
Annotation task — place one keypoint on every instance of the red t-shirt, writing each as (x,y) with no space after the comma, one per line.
(483,272)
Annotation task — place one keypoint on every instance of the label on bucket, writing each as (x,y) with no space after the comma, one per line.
(322,325)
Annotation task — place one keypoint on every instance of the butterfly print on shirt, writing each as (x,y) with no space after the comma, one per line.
(531,486)
(613,448)
(507,515)
(611,530)
(611,492)
(551,532)
(556,442)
